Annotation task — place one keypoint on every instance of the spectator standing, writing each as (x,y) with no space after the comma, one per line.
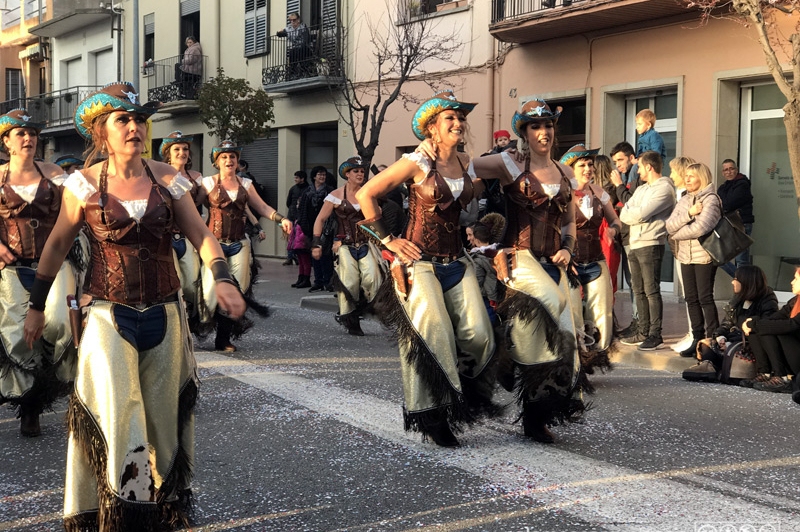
(736,197)
(190,70)
(696,214)
(612,248)
(297,49)
(649,139)
(646,213)
(310,205)
(626,180)
(292,199)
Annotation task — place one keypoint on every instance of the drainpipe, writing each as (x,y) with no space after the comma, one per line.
(490,82)
(137,65)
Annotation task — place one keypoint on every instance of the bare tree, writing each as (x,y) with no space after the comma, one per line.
(403,44)
(763,16)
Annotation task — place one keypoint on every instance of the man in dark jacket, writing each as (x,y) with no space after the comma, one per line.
(736,197)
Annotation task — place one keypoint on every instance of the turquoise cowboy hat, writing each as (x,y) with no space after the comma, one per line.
(530,111)
(226,146)
(578,151)
(441,100)
(17,118)
(349,164)
(116,96)
(68,160)
(176,137)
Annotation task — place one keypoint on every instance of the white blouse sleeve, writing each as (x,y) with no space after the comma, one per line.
(511,166)
(423,162)
(79,186)
(330,198)
(180,185)
(471,170)
(247,183)
(208,183)
(605,198)
(59,179)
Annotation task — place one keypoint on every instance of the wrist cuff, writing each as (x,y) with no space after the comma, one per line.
(316,241)
(219,270)
(375,228)
(39,290)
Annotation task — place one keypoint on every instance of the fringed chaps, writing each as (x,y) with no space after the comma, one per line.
(357,281)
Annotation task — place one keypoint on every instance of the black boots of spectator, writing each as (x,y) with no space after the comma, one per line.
(303,281)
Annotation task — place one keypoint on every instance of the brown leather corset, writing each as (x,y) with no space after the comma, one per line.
(588,248)
(348,216)
(131,262)
(24,227)
(225,216)
(433,214)
(533,220)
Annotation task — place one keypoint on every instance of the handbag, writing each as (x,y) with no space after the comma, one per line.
(727,239)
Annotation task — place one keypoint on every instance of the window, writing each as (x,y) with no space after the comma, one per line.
(15,86)
(255,27)
(190,20)
(149,39)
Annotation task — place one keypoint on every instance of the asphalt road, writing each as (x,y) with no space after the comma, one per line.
(301,429)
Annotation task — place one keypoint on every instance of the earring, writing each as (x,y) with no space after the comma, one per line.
(13,152)
(104,149)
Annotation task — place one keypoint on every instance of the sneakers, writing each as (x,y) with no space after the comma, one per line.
(702,371)
(634,339)
(749,383)
(630,330)
(651,343)
(684,343)
(775,384)
(317,288)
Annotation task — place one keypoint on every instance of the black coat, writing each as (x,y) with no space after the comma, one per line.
(736,196)
(736,314)
(779,322)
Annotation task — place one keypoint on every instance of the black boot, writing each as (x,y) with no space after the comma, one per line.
(691,351)
(224,330)
(535,424)
(435,425)
(351,322)
(29,422)
(298,281)
(304,281)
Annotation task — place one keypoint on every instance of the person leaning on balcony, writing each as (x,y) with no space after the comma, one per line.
(297,49)
(190,69)
(31,377)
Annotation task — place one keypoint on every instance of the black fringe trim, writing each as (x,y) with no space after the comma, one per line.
(339,287)
(595,359)
(119,515)
(46,388)
(390,313)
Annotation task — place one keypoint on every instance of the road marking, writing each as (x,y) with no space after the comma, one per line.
(598,492)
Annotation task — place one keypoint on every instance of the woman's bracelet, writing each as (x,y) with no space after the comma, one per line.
(277,217)
(220,272)
(39,290)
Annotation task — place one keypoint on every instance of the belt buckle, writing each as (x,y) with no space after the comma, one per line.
(143,254)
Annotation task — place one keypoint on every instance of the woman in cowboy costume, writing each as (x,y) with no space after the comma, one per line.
(31,377)
(175,151)
(539,340)
(131,425)
(69,163)
(593,298)
(435,306)
(226,196)
(359,270)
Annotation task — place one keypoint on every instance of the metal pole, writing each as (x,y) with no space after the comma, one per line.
(135,52)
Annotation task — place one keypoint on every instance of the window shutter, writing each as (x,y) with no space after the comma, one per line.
(189,6)
(249,36)
(150,24)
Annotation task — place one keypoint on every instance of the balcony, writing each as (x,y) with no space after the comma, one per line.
(71,15)
(8,105)
(528,21)
(316,66)
(176,89)
(56,109)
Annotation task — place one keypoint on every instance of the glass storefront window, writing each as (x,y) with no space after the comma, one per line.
(767,97)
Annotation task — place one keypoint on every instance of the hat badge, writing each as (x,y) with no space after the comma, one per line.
(25,118)
(537,111)
(133,97)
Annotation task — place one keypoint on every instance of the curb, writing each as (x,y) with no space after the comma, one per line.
(663,359)
(322,302)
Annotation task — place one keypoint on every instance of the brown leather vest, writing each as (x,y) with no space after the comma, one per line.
(348,216)
(433,214)
(533,220)
(225,216)
(131,262)
(588,248)
(24,227)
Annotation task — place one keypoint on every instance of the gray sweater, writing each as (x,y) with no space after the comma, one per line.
(647,211)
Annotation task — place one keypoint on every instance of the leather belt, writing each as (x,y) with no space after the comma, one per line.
(441,260)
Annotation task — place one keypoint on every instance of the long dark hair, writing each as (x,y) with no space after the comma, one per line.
(753,281)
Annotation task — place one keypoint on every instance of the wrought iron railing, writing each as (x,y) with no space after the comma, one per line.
(57,108)
(168,82)
(320,57)
(512,9)
(8,105)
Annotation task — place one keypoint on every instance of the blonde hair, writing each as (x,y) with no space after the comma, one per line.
(648,115)
(602,170)
(679,165)
(702,172)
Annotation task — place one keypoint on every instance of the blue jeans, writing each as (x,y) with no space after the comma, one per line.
(742,258)
(645,266)
(323,270)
